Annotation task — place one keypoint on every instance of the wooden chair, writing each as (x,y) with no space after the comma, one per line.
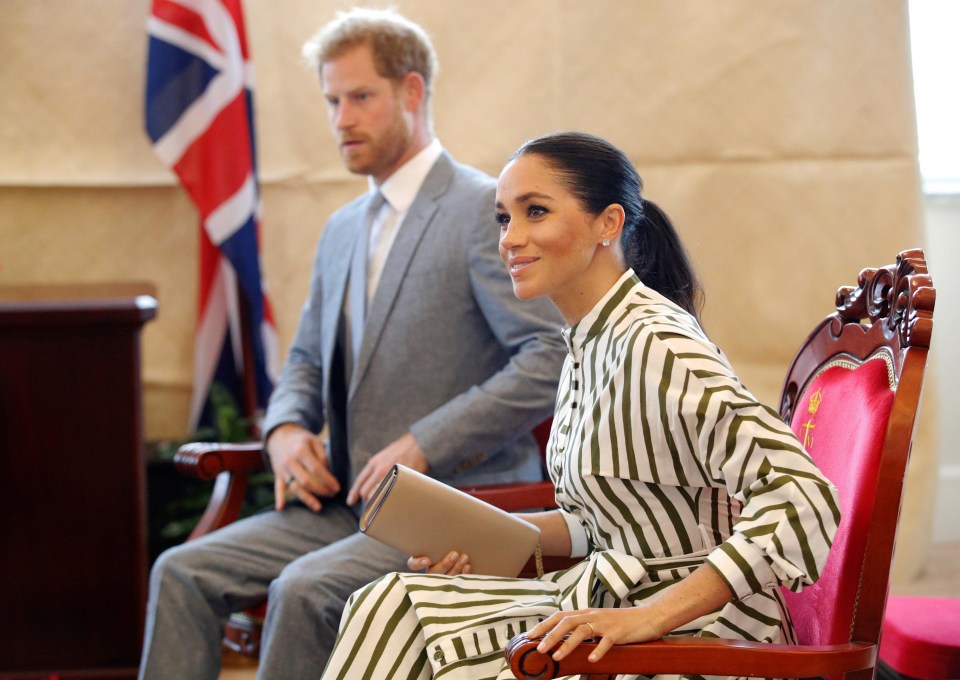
(230,466)
(852,392)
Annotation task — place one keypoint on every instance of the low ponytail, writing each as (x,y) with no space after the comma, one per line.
(653,249)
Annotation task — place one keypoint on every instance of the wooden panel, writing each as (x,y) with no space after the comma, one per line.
(73,549)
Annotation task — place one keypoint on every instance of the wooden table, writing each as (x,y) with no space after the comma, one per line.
(73,560)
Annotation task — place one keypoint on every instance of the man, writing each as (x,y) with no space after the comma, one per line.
(411,349)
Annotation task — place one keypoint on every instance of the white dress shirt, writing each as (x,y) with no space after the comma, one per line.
(399,191)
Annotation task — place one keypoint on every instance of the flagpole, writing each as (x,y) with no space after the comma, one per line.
(248,376)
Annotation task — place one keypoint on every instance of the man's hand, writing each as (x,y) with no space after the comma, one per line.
(405,451)
(299,464)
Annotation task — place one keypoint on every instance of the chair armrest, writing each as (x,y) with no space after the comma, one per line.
(205,460)
(230,465)
(694,656)
(518,496)
(515,496)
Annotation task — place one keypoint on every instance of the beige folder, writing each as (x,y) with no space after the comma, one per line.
(418,515)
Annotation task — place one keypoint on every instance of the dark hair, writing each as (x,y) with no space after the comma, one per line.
(599,175)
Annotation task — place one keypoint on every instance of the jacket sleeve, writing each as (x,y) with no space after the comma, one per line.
(522,393)
(298,395)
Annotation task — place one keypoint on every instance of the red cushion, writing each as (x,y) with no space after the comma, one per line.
(842,419)
(921,637)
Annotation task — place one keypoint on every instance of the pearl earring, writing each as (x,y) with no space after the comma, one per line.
(605,242)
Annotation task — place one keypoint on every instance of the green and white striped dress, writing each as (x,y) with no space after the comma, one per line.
(666,461)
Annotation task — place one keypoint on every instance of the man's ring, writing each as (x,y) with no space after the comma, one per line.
(290,480)
(593,632)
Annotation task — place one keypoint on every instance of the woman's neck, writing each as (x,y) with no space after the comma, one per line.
(582,296)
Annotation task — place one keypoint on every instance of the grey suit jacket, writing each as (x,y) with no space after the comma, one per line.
(448,352)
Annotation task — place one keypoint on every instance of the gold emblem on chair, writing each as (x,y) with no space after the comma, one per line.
(812,407)
(807,436)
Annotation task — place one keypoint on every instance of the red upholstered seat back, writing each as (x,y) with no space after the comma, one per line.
(842,417)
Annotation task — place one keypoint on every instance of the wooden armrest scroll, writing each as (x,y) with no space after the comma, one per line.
(230,465)
(696,656)
(205,460)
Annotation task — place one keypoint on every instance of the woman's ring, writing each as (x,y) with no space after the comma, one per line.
(593,632)
(290,480)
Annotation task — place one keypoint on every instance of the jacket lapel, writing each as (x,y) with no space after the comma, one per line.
(335,277)
(409,236)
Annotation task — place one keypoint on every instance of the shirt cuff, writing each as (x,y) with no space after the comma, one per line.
(578,535)
(742,565)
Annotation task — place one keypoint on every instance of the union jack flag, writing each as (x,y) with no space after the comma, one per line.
(199,115)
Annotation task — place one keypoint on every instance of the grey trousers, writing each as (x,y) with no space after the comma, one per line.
(308,563)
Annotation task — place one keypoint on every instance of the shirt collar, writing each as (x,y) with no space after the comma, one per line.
(400,188)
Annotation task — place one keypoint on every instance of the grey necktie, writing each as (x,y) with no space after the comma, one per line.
(357,297)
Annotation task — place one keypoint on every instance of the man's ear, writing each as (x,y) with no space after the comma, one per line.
(414,90)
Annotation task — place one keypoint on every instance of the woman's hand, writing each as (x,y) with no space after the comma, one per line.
(700,593)
(451,565)
(611,626)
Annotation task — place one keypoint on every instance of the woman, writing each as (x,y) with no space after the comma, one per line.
(691,501)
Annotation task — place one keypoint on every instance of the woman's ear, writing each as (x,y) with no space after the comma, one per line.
(611,222)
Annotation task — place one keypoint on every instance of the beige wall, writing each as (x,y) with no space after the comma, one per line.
(779,135)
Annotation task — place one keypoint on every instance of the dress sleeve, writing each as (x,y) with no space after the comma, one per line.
(579,545)
(788,511)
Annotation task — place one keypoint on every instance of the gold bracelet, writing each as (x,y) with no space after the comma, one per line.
(538,558)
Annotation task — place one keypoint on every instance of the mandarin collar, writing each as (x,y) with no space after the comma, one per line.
(595,320)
